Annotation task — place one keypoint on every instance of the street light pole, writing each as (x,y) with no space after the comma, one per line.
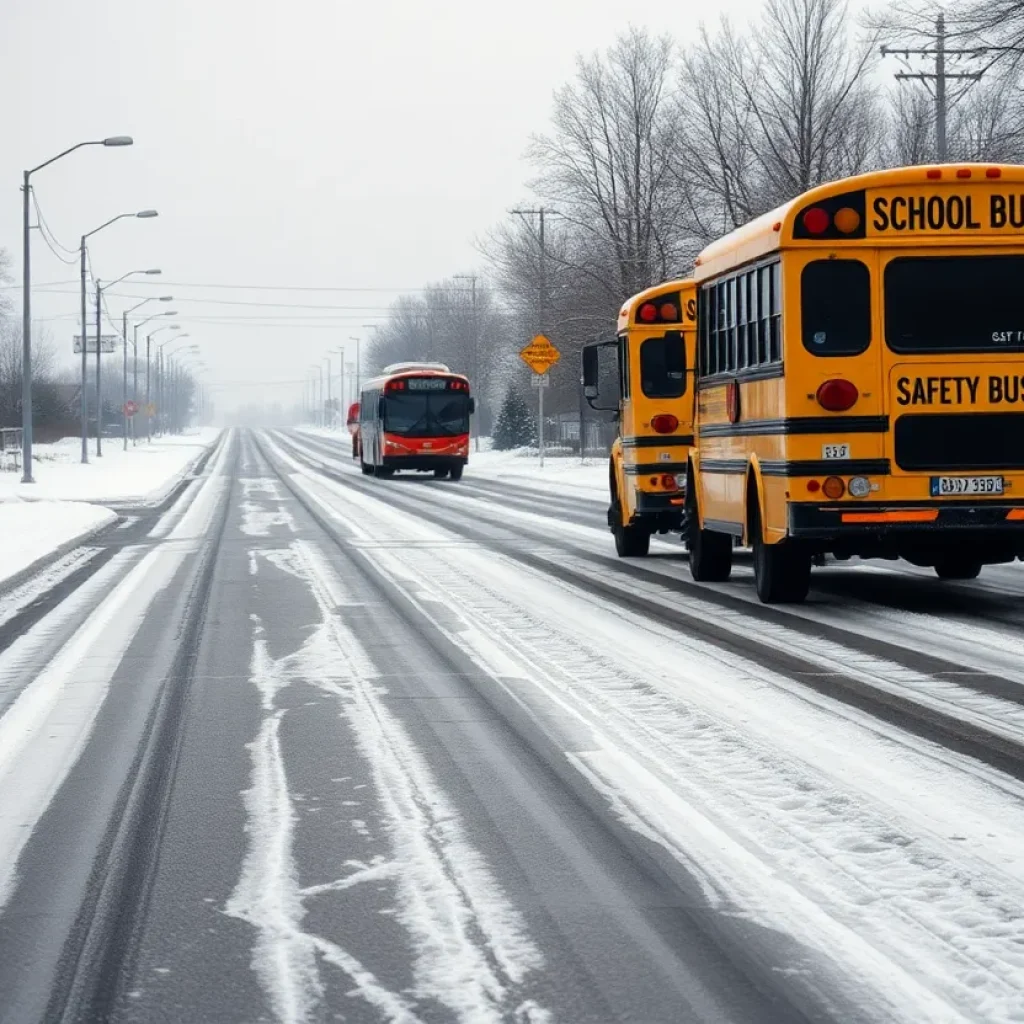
(100,289)
(85,337)
(26,299)
(135,364)
(149,339)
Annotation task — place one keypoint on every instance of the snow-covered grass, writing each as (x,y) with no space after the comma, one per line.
(35,530)
(561,470)
(146,472)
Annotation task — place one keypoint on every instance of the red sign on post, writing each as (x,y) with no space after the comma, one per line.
(130,408)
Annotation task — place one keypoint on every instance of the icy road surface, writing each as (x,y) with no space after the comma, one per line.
(309,746)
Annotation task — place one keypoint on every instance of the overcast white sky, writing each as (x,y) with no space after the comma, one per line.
(314,143)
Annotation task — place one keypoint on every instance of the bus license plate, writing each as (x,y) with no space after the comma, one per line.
(944,486)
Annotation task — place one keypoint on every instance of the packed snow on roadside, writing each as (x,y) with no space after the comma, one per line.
(144,473)
(561,471)
(34,529)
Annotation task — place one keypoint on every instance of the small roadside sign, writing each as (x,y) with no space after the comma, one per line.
(540,380)
(130,408)
(540,355)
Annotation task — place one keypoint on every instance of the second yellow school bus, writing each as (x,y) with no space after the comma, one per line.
(861,379)
(655,347)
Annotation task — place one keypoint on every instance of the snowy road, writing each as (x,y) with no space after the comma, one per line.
(308,746)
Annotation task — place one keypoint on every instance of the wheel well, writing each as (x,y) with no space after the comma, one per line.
(753,507)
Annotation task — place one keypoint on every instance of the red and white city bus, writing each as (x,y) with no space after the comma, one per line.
(415,416)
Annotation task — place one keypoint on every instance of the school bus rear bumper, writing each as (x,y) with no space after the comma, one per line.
(659,512)
(822,521)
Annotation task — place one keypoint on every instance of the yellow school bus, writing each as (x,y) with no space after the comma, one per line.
(861,379)
(655,346)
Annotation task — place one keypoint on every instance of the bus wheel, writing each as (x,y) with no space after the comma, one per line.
(631,541)
(367,469)
(782,572)
(383,472)
(710,553)
(455,472)
(957,568)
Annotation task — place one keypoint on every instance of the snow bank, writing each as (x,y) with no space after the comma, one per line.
(34,531)
(145,473)
(587,478)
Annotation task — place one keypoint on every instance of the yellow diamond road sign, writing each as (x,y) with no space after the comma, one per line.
(540,355)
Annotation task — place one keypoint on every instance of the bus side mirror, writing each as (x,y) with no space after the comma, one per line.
(675,355)
(472,405)
(590,373)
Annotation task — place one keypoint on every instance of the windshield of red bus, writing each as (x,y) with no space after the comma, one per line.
(426,413)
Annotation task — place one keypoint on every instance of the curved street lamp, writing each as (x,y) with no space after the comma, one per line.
(145,214)
(26,297)
(135,356)
(100,289)
(149,339)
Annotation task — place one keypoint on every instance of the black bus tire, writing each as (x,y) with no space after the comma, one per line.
(782,572)
(455,472)
(957,567)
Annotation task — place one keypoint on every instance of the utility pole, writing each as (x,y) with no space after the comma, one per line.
(939,51)
(99,402)
(85,363)
(329,414)
(474,361)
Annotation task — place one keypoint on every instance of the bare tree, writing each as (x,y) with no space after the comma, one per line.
(774,113)
(607,163)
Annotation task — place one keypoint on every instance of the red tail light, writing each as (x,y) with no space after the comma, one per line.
(817,220)
(837,395)
(664,423)
(668,481)
(648,312)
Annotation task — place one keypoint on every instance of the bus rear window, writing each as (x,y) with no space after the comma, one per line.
(955,304)
(662,373)
(835,306)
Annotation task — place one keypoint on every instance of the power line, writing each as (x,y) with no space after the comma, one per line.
(49,238)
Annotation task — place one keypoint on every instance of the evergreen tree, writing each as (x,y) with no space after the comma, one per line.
(515,427)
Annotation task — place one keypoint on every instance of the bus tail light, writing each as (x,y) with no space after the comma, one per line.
(833,488)
(662,309)
(859,487)
(837,395)
(813,486)
(668,481)
(664,423)
(816,220)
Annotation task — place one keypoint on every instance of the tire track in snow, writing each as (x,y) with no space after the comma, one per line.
(471,953)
